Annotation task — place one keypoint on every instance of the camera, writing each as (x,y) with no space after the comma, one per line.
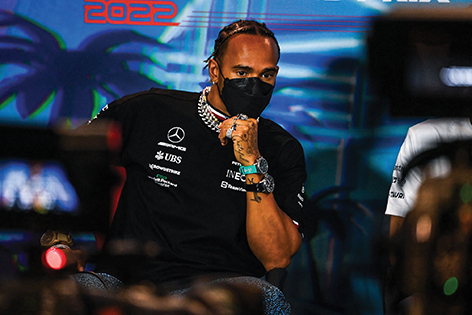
(421,61)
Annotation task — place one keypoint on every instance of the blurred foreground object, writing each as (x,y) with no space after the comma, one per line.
(57,179)
(63,297)
(59,254)
(59,258)
(420,61)
(432,251)
(51,238)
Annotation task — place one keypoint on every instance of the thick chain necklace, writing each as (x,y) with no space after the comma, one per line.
(204,111)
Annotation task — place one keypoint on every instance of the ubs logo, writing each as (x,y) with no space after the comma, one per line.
(168,157)
(176,135)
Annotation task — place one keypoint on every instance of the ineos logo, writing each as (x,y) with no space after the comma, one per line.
(176,134)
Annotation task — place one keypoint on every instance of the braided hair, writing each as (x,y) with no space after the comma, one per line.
(240,27)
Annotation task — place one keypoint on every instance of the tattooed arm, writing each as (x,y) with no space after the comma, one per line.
(271,233)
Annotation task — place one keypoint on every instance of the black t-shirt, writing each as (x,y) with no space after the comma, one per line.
(184,192)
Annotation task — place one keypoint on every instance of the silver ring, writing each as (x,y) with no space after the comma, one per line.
(229,132)
(242,116)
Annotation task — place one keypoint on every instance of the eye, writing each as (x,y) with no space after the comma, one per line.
(268,75)
(241,73)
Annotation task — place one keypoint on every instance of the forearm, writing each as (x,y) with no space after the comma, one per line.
(395,224)
(271,233)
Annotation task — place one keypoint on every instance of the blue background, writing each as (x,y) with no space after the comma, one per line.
(57,69)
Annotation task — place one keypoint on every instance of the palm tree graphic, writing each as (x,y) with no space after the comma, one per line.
(70,81)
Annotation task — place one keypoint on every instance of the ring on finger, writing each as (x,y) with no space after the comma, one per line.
(242,116)
(229,132)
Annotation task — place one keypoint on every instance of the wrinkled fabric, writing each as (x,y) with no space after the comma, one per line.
(98,281)
(274,302)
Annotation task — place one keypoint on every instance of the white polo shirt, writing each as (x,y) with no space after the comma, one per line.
(420,137)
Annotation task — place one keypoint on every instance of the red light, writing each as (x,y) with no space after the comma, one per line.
(114,138)
(55,258)
(110,310)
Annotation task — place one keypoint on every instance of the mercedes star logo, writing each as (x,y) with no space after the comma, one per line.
(176,134)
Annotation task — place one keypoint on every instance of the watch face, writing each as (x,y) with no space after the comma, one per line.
(269,184)
(262,166)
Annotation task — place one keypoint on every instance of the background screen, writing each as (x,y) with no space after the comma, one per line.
(62,61)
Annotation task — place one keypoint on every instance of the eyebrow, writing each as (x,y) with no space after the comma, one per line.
(250,68)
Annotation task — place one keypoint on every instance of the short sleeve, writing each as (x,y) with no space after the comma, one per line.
(402,193)
(290,176)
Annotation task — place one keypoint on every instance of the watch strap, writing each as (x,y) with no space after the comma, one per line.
(251,169)
(266,185)
(254,187)
(259,167)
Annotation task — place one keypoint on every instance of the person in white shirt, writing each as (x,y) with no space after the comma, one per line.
(421,137)
(406,181)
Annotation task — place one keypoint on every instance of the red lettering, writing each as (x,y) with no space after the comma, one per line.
(130,12)
(93,14)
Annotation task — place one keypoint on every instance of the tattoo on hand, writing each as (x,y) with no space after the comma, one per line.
(240,151)
(246,145)
(256,197)
(252,139)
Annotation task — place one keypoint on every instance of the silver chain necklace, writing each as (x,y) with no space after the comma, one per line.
(204,111)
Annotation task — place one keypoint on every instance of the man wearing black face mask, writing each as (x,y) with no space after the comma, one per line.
(249,95)
(250,64)
(216,187)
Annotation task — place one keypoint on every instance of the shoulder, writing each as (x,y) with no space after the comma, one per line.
(275,132)
(440,129)
(131,107)
(429,133)
(275,139)
(440,125)
(147,101)
(157,94)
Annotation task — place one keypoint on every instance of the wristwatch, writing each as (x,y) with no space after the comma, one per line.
(51,238)
(259,167)
(266,185)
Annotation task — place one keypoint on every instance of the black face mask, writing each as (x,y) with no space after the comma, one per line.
(248,96)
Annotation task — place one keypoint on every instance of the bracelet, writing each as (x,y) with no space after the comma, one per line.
(266,185)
